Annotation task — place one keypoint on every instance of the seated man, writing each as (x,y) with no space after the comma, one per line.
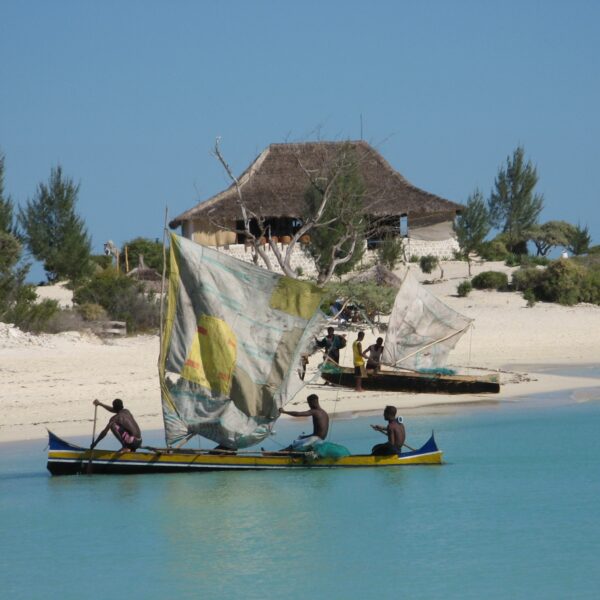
(123,426)
(320,421)
(395,432)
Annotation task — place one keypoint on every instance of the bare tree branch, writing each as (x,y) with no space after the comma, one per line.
(257,249)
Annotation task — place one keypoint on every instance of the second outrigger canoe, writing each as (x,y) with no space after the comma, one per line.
(414,381)
(65,458)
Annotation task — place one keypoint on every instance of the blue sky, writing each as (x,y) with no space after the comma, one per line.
(129,96)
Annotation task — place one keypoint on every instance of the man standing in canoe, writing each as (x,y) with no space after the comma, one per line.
(320,421)
(359,361)
(395,432)
(123,425)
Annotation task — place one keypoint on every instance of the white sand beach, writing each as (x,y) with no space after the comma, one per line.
(49,381)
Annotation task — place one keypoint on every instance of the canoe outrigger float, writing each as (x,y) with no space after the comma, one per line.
(430,383)
(65,458)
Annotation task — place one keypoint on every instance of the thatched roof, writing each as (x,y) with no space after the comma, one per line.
(274,185)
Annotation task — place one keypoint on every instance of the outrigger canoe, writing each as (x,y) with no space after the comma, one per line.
(414,381)
(65,458)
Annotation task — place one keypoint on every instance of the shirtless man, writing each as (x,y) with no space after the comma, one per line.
(395,432)
(123,425)
(320,421)
(373,355)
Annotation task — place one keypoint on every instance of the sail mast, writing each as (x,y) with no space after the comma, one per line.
(162,291)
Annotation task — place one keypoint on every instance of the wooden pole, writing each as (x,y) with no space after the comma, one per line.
(162,289)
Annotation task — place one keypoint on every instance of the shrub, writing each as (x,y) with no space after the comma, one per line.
(389,252)
(415,259)
(494,250)
(92,312)
(527,279)
(590,287)
(464,288)
(123,298)
(101,260)
(490,280)
(29,315)
(529,295)
(524,260)
(513,260)
(562,283)
(428,263)
(530,261)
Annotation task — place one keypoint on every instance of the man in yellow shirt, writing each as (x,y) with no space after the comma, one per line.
(359,361)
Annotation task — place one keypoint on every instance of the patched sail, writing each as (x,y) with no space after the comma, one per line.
(422,329)
(232,340)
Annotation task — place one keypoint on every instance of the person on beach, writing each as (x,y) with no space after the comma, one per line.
(332,343)
(320,421)
(359,361)
(373,355)
(396,434)
(123,426)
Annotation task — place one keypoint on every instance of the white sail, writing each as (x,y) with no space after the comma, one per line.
(422,330)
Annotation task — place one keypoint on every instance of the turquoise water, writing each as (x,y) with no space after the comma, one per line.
(513,514)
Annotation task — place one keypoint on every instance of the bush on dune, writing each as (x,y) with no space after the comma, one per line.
(563,281)
(464,288)
(490,280)
(123,299)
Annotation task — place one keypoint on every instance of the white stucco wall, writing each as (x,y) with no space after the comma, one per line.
(413,248)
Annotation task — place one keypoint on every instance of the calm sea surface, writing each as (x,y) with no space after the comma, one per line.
(514,513)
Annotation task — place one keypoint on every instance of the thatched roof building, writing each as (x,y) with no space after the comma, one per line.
(275,184)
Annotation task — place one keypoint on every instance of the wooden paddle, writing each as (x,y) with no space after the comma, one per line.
(89,467)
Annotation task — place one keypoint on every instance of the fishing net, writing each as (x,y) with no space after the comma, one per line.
(331,450)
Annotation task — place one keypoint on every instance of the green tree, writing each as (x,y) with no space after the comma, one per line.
(53,231)
(429,262)
(549,235)
(472,225)
(11,276)
(514,208)
(18,300)
(579,240)
(6,204)
(335,210)
(390,251)
(152,251)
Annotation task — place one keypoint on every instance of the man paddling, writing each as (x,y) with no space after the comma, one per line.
(395,432)
(320,421)
(123,425)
